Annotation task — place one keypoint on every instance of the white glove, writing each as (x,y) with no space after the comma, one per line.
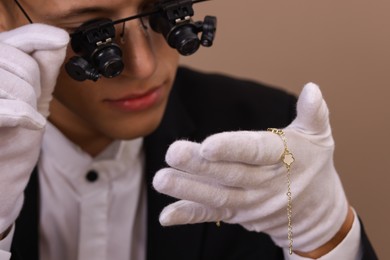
(30,58)
(238,177)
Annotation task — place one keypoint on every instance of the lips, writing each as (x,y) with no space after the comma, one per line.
(137,102)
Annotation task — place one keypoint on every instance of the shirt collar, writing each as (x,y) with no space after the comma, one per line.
(71,160)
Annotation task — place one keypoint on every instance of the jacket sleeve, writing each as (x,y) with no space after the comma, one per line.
(355,246)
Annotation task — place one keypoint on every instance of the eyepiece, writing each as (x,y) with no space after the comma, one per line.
(184,39)
(98,54)
(108,60)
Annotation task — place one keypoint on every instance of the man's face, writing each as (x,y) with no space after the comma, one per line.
(124,107)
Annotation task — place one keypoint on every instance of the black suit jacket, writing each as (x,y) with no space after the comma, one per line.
(199,105)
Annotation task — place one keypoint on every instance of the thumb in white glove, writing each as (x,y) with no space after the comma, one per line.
(238,177)
(30,58)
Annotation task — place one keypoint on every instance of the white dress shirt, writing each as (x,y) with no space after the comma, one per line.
(96,218)
(102,215)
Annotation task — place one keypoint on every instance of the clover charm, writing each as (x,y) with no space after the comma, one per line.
(288,158)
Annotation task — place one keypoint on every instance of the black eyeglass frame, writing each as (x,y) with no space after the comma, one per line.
(98,55)
(122,20)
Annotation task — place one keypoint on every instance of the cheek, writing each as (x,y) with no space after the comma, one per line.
(11,18)
(74,94)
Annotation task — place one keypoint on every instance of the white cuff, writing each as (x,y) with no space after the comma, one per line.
(349,249)
(5,245)
(5,255)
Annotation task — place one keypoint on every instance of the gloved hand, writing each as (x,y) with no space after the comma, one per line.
(238,177)
(30,58)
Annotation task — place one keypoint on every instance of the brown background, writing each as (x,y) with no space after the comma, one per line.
(344,46)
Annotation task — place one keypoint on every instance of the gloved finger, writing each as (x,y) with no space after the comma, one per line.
(49,62)
(35,37)
(18,70)
(184,186)
(251,147)
(32,53)
(15,113)
(188,212)
(185,156)
(312,111)
(47,45)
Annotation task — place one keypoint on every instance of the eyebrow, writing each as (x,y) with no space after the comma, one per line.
(74,12)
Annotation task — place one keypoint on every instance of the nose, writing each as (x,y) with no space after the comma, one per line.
(138,55)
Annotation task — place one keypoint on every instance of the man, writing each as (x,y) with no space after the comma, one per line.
(95,158)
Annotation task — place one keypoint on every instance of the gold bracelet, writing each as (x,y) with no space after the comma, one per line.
(287,159)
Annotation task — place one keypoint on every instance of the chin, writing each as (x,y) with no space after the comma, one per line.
(131,133)
(133,128)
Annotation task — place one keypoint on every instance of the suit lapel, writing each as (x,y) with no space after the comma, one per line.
(181,242)
(25,241)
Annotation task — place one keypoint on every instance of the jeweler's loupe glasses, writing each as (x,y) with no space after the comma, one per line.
(98,54)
